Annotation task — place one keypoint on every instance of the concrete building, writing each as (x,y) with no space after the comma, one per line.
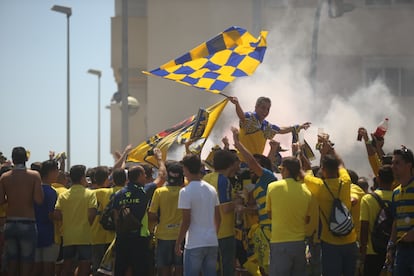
(373,40)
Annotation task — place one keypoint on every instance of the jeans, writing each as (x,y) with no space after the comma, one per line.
(227,255)
(339,259)
(201,259)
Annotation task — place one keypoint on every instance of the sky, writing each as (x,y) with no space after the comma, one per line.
(33,78)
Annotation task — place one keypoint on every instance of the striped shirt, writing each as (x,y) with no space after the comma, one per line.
(259,194)
(403,207)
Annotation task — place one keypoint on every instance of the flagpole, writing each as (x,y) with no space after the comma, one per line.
(224,95)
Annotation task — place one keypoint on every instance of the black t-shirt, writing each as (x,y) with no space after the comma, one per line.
(133,197)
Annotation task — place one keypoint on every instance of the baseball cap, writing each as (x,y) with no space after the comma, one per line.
(175,174)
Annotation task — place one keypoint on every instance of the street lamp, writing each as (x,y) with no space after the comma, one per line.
(68,12)
(99,74)
(125,77)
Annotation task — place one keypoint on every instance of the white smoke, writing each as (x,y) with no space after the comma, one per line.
(283,77)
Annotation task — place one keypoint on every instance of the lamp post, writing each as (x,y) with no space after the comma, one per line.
(98,74)
(68,12)
(125,77)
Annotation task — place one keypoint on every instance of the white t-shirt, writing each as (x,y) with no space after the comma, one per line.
(201,198)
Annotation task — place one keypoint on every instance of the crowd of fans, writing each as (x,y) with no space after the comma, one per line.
(239,213)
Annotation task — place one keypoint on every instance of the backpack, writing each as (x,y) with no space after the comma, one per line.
(340,220)
(107,218)
(127,221)
(382,226)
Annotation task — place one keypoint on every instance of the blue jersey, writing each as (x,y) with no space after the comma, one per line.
(45,226)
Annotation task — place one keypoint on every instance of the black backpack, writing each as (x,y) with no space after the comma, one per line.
(340,220)
(382,226)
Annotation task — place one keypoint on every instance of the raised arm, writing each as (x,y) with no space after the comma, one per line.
(289,129)
(248,157)
(120,163)
(162,170)
(239,110)
(274,149)
(368,144)
(226,144)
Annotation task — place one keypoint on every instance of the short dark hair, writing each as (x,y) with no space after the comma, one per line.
(147,168)
(192,162)
(19,155)
(353,175)
(134,173)
(76,173)
(292,164)
(406,154)
(386,175)
(262,99)
(223,159)
(363,183)
(36,166)
(48,166)
(119,176)
(101,174)
(330,163)
(263,161)
(90,172)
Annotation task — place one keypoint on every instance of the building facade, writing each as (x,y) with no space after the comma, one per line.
(373,39)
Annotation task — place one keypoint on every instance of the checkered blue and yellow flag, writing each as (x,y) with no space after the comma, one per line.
(214,64)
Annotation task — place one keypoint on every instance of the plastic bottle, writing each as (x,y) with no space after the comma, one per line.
(381,129)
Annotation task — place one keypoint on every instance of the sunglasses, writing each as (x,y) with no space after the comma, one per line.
(405,153)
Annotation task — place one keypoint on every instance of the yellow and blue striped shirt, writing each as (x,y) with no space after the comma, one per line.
(403,206)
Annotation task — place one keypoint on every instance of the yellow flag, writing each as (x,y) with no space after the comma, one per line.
(196,127)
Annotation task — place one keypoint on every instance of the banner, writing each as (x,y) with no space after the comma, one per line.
(196,127)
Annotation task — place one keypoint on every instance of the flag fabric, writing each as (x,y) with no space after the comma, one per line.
(214,64)
(307,151)
(196,127)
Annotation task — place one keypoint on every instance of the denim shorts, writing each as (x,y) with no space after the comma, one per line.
(20,239)
(166,255)
(82,252)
